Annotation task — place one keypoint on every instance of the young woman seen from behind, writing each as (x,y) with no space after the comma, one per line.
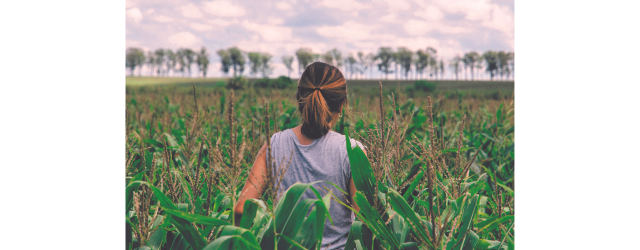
(312,151)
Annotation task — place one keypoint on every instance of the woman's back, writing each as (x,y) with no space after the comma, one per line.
(325,159)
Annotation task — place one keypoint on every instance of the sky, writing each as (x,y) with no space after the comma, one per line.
(452,27)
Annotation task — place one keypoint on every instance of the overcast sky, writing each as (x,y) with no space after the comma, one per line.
(453,27)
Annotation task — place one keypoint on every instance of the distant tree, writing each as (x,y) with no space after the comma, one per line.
(422,61)
(265,64)
(395,59)
(352,64)
(172,60)
(465,62)
(455,65)
(181,60)
(385,56)
(255,61)
(160,61)
(225,61)
(491,59)
(503,64)
(287,61)
(471,58)
(511,57)
(327,58)
(337,57)
(190,58)
(203,61)
(316,57)
(441,69)
(130,60)
(134,58)
(305,57)
(371,61)
(151,61)
(362,61)
(404,58)
(237,60)
(433,66)
(432,54)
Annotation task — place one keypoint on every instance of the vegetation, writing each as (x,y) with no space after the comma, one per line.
(438,173)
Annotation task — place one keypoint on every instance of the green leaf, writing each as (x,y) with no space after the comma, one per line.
(285,215)
(186,229)
(413,186)
(374,222)
(357,244)
(158,238)
(291,242)
(455,150)
(471,241)
(361,171)
(469,211)
(249,213)
(410,246)
(196,218)
(230,242)
(403,209)
(490,224)
(509,190)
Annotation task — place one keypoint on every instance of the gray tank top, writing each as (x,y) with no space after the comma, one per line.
(325,159)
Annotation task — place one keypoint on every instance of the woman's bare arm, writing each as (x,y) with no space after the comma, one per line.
(254,186)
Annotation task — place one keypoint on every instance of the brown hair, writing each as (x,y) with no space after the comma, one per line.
(321,91)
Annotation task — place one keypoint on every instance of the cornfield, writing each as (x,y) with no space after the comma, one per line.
(438,172)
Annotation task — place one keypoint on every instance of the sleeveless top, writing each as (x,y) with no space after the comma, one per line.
(325,159)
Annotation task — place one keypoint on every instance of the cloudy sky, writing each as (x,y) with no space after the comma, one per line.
(280,27)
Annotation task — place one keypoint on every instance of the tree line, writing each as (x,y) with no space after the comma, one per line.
(402,62)
(164,61)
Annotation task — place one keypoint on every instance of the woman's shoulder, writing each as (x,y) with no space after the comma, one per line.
(336,137)
(281,135)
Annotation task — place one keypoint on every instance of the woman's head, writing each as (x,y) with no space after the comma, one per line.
(321,92)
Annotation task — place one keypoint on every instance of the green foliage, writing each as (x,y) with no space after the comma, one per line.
(281,82)
(236,83)
(169,143)
(424,86)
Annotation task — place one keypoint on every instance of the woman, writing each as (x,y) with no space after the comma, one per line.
(312,151)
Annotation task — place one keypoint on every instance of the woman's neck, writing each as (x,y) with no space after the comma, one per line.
(301,138)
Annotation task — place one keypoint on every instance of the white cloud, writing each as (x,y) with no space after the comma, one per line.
(163,19)
(220,22)
(396,5)
(190,11)
(501,19)
(482,12)
(201,27)
(348,30)
(275,20)
(344,5)
(223,8)
(430,13)
(128,4)
(269,33)
(184,39)
(417,27)
(135,14)
(474,10)
(283,6)
(389,18)
(149,12)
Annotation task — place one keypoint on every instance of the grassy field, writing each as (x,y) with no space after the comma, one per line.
(442,84)
(439,173)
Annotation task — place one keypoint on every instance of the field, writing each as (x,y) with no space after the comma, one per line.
(438,174)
